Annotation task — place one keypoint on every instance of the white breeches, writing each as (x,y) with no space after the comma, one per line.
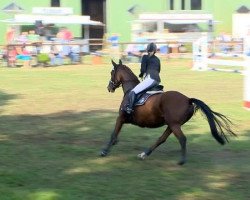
(146,83)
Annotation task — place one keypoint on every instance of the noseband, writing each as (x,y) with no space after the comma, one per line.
(115,84)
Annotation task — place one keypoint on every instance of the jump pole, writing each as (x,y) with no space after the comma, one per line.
(247,87)
(246,97)
(201,61)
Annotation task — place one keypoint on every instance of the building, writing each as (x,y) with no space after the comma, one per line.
(93,8)
(118,14)
(121,13)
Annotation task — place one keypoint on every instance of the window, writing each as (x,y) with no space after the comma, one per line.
(181,28)
(55,3)
(149,27)
(171,5)
(183,4)
(196,5)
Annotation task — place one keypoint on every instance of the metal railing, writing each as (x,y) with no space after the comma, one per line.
(100,47)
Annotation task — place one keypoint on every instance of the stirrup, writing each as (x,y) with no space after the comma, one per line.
(129,110)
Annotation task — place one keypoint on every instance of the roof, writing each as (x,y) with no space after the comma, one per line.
(243,9)
(52,19)
(13,7)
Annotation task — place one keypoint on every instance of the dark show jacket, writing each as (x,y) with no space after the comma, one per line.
(151,66)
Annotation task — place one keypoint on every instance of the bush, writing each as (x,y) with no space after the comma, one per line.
(43,58)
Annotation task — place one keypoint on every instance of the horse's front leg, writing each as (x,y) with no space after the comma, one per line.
(113,139)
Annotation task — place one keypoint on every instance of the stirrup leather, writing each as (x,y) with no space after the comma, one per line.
(131,101)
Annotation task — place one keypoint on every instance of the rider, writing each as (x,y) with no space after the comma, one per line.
(150,69)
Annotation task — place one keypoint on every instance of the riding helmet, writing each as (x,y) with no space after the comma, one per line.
(151,47)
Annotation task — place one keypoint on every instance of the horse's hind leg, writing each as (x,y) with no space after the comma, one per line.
(182,140)
(160,140)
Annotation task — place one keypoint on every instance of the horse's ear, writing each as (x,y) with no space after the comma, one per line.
(120,62)
(113,63)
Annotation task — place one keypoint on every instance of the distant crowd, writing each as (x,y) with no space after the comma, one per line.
(38,44)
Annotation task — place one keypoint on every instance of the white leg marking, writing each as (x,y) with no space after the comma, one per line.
(142,155)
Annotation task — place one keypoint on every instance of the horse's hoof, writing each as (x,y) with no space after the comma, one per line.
(142,155)
(182,162)
(104,153)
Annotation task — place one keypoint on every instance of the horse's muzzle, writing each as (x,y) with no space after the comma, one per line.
(110,89)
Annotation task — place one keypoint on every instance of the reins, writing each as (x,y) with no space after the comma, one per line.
(132,79)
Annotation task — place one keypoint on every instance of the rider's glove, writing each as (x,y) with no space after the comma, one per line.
(141,75)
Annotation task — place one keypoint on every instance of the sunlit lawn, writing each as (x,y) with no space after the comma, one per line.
(54,122)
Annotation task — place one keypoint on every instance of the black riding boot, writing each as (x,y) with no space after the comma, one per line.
(131,101)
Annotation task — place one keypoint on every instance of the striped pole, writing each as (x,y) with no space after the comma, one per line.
(247,86)
(246,97)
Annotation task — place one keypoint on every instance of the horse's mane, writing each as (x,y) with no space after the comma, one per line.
(126,68)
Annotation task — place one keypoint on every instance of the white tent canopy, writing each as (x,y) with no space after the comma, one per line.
(52,19)
(177,18)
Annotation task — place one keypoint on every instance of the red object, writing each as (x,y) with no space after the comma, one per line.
(10,36)
(12,55)
(67,35)
(247,104)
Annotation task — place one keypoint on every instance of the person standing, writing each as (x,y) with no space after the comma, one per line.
(10,35)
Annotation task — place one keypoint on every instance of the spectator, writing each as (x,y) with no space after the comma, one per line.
(23,38)
(48,32)
(113,39)
(11,56)
(64,35)
(74,54)
(224,39)
(24,55)
(33,37)
(39,28)
(68,35)
(10,35)
(132,51)
(142,42)
(55,56)
(114,46)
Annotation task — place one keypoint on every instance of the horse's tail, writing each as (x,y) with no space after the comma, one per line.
(219,123)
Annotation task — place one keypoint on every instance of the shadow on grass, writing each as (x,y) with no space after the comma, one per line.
(56,156)
(4,98)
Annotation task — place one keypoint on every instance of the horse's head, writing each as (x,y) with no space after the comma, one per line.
(121,75)
(115,81)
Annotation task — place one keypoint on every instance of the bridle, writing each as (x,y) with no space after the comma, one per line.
(114,83)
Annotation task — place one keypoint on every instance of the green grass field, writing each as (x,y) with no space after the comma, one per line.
(55,121)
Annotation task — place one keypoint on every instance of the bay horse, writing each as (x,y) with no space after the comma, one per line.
(170,108)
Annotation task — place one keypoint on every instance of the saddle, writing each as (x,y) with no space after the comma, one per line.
(142,97)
